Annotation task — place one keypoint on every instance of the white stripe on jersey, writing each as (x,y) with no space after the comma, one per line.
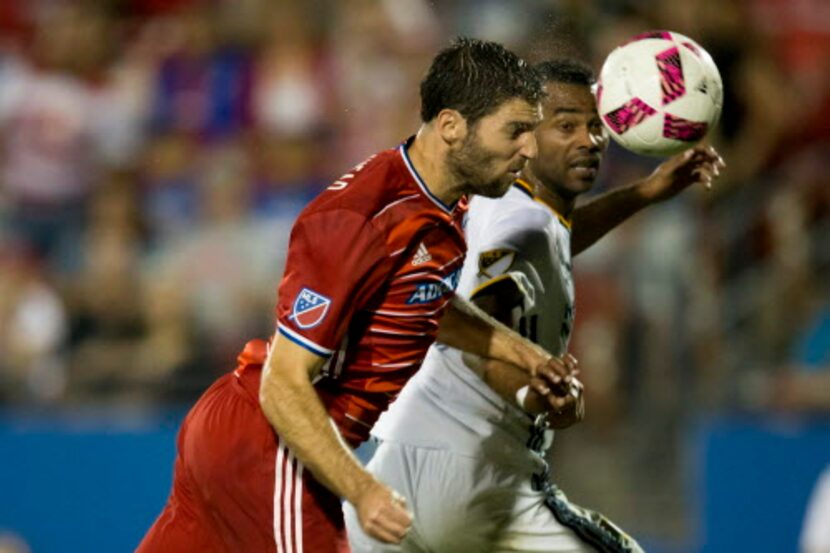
(288,490)
(453,260)
(298,507)
(288,501)
(358,421)
(396,202)
(418,274)
(395,365)
(405,314)
(303,341)
(279,485)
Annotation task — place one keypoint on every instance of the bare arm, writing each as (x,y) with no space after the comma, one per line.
(466,327)
(508,362)
(293,408)
(562,397)
(291,405)
(565,407)
(592,221)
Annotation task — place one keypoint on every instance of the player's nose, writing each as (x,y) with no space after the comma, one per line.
(530,148)
(585,139)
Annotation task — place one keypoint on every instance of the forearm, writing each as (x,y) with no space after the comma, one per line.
(592,221)
(295,412)
(467,328)
(507,380)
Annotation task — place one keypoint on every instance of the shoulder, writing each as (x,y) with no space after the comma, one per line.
(515,209)
(514,220)
(368,188)
(337,230)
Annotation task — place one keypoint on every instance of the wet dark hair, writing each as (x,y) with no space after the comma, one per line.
(566,71)
(475,77)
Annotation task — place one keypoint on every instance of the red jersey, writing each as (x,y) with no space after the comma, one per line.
(372,264)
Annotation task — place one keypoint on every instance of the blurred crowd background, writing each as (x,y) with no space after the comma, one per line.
(153,155)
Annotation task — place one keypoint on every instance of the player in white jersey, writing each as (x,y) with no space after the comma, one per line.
(465,442)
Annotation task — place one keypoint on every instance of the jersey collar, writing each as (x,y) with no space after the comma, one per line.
(524,187)
(403,149)
(527,188)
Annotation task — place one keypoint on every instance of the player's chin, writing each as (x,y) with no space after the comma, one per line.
(497,188)
(584,173)
(583,182)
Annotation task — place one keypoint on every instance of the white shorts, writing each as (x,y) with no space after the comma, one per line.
(460,503)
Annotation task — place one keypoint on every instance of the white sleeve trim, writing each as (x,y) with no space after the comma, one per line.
(301,340)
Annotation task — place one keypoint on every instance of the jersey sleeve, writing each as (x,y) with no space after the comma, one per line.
(337,260)
(504,268)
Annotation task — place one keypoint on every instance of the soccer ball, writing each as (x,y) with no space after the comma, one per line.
(659,93)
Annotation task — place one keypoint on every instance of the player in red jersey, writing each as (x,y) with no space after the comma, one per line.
(372,264)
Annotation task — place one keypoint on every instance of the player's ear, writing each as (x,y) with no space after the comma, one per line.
(451,126)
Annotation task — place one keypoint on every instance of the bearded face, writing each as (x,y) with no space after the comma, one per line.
(480,168)
(495,149)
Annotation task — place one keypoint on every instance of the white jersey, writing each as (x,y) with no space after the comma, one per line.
(469,463)
(446,405)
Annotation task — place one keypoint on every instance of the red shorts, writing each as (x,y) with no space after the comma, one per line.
(236,487)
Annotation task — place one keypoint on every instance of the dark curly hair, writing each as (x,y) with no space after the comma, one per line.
(475,77)
(566,71)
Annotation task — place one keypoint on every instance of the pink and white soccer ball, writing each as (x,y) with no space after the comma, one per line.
(659,93)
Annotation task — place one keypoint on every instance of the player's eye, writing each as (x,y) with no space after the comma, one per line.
(566,126)
(518,130)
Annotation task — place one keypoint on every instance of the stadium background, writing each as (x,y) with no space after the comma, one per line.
(153,154)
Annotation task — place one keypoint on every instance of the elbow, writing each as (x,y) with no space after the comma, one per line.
(279,388)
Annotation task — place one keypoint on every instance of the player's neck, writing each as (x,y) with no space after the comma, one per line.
(561,205)
(428,160)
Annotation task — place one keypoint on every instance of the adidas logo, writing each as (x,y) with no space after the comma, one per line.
(421,256)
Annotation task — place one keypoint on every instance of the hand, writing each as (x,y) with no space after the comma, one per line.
(554,375)
(698,165)
(563,410)
(560,396)
(569,410)
(382,513)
